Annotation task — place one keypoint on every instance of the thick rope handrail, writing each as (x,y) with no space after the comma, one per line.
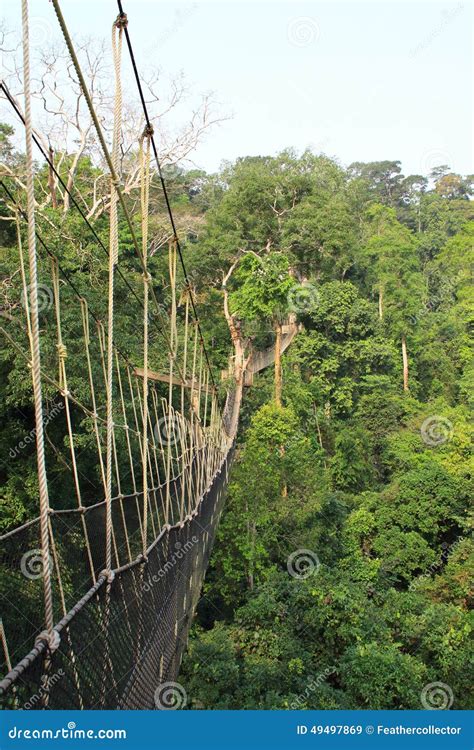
(34,341)
(113,260)
(41,644)
(197,454)
(87,508)
(105,150)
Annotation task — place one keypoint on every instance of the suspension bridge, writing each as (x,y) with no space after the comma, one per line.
(99,590)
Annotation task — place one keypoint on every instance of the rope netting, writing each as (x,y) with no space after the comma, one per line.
(116,650)
(99,589)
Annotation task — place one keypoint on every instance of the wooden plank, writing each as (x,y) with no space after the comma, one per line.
(152,375)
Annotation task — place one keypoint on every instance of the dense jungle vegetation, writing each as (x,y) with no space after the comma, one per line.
(363,465)
(341,573)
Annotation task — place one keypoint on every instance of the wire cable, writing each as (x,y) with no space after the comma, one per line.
(163,185)
(105,150)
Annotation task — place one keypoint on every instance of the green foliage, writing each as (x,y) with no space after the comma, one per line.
(341,470)
(263,285)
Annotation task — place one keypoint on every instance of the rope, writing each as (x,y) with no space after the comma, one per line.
(197,464)
(113,259)
(64,273)
(144,198)
(173,339)
(110,162)
(62,354)
(34,341)
(6,653)
(162,180)
(72,655)
(85,325)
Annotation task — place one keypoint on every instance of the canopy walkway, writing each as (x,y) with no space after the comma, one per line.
(100,589)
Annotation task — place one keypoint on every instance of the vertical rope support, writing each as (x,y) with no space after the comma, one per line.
(184,420)
(6,653)
(72,655)
(200,443)
(173,344)
(85,326)
(117,33)
(8,663)
(35,343)
(144,198)
(193,412)
(62,356)
(23,275)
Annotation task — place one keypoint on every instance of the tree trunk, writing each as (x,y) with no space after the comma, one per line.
(278,365)
(380,303)
(405,363)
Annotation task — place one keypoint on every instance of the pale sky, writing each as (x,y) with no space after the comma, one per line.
(360,81)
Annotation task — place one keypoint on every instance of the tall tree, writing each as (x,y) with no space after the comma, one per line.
(392,265)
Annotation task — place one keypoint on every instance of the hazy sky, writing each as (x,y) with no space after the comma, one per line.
(359,80)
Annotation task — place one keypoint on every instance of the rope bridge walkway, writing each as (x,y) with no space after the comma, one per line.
(100,592)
